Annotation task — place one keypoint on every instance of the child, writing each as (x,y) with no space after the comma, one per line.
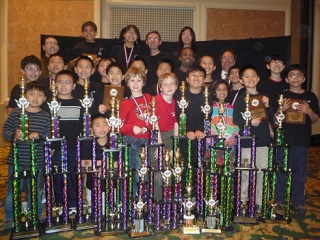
(236,88)
(220,92)
(195,117)
(39,129)
(135,114)
(259,128)
(297,134)
(207,62)
(115,76)
(70,125)
(102,67)
(31,70)
(90,47)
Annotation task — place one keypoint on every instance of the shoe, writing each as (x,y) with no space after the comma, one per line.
(258,209)
(72,211)
(300,209)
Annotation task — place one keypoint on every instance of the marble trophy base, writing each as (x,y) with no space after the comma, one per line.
(190,228)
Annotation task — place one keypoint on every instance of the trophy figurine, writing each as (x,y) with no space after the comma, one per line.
(153,120)
(54,107)
(183,104)
(247,117)
(280,118)
(189,227)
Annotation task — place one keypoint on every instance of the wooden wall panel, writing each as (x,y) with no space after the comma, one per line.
(28,19)
(242,24)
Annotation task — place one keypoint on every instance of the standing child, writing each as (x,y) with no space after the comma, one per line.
(304,105)
(207,62)
(31,70)
(236,87)
(70,125)
(135,113)
(220,92)
(102,67)
(259,128)
(39,129)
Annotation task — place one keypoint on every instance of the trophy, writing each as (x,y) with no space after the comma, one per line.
(54,107)
(189,227)
(247,116)
(23,104)
(183,104)
(86,103)
(221,125)
(211,223)
(153,120)
(280,118)
(206,108)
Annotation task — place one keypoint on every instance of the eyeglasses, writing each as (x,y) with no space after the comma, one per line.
(51,44)
(298,75)
(131,32)
(58,62)
(31,68)
(64,82)
(153,39)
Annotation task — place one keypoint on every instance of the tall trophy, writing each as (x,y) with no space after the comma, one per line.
(247,116)
(86,104)
(183,104)
(54,107)
(153,120)
(190,227)
(23,104)
(206,108)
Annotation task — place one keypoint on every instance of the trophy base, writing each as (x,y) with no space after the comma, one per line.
(25,234)
(58,228)
(278,218)
(86,226)
(112,233)
(245,220)
(166,231)
(213,231)
(139,234)
(191,230)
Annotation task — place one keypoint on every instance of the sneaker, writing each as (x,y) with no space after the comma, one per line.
(299,209)
(258,209)
(72,211)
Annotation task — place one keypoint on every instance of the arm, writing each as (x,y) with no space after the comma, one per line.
(11,129)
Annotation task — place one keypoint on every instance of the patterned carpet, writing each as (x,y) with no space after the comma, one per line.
(302,226)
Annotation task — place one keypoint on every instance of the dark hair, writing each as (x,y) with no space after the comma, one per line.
(156,32)
(66,72)
(35,85)
(84,58)
(275,57)
(43,41)
(57,55)
(126,29)
(186,48)
(206,55)
(246,67)
(196,68)
(31,59)
(89,23)
(168,61)
(232,68)
(138,58)
(231,51)
(215,87)
(104,60)
(114,64)
(193,41)
(297,67)
(96,116)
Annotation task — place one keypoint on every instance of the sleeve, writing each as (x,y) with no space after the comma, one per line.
(314,104)
(47,129)
(126,128)
(10,127)
(237,116)
(15,94)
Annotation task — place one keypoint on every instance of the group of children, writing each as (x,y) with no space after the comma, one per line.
(135,113)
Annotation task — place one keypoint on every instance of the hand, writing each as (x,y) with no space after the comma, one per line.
(137,130)
(18,134)
(286,104)
(255,122)
(102,109)
(191,135)
(230,141)
(303,107)
(265,101)
(199,134)
(33,136)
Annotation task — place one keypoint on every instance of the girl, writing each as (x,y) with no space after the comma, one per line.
(220,91)
(207,62)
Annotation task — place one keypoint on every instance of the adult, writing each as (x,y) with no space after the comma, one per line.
(50,46)
(227,59)
(186,61)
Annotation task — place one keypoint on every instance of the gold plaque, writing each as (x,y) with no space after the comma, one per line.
(107,95)
(257,108)
(292,116)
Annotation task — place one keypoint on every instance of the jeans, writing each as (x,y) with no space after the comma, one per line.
(23,182)
(71,177)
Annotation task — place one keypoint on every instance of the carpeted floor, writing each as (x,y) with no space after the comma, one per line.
(302,226)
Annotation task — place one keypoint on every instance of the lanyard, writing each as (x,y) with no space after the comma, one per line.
(146,116)
(235,97)
(125,54)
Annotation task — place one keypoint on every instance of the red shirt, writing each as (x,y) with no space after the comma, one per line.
(166,113)
(136,112)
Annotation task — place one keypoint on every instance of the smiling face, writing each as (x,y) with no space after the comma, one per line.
(50,46)
(186,37)
(153,41)
(131,35)
(65,86)
(276,66)
(186,57)
(84,69)
(250,79)
(295,78)
(135,85)
(208,64)
(32,72)
(100,127)
(234,75)
(221,92)
(168,86)
(163,68)
(195,80)
(115,76)
(89,34)
(56,64)
(227,60)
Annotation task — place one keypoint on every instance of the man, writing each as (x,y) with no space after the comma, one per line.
(50,46)
(186,59)
(227,60)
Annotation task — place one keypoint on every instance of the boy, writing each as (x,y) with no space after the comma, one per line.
(236,88)
(195,117)
(164,66)
(39,129)
(135,114)
(70,125)
(297,133)
(90,47)
(50,46)
(259,128)
(31,70)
